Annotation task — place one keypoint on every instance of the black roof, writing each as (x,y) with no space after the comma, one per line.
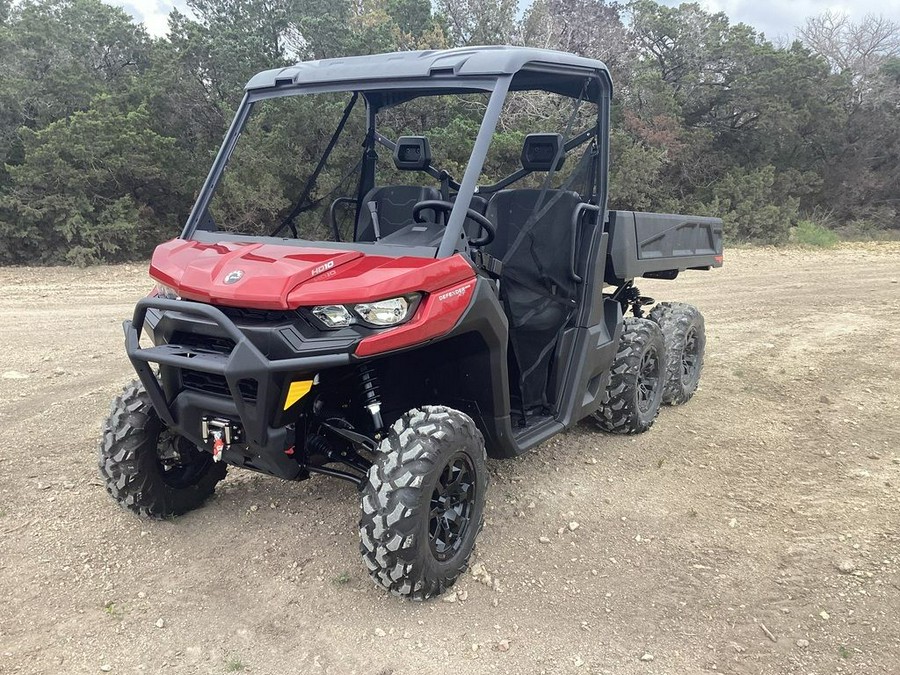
(462,62)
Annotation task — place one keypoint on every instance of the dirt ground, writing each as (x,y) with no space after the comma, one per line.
(754,530)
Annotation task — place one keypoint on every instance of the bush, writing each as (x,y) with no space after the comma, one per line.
(809,233)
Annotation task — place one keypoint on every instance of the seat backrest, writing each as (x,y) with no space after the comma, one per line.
(544,253)
(394,204)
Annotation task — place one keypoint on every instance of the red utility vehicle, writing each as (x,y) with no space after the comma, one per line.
(393,333)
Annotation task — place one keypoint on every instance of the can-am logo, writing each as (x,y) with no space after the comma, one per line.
(452,294)
(322,268)
(234,277)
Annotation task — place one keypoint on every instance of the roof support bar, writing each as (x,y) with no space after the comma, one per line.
(454,238)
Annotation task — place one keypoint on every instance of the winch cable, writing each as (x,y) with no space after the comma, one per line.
(301,205)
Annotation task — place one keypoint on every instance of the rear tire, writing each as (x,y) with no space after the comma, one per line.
(636,380)
(685,334)
(147,468)
(423,504)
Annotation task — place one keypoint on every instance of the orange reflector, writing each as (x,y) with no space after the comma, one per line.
(296,391)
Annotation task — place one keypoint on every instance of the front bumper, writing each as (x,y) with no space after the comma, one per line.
(255,383)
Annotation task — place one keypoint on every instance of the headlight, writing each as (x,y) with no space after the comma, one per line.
(333,316)
(384,312)
(379,314)
(167,292)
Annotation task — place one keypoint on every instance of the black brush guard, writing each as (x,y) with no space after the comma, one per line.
(182,410)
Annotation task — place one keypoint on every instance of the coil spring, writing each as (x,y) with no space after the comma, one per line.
(370,385)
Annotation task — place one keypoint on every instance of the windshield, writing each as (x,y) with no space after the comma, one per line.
(295,170)
(306,166)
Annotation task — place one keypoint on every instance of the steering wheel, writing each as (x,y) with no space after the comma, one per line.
(445,207)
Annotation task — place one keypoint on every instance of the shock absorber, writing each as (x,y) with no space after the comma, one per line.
(369,387)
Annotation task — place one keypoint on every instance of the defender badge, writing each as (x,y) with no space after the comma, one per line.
(234,277)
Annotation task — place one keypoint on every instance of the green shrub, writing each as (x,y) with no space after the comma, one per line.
(809,233)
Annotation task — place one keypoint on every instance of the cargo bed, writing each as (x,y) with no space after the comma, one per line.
(660,245)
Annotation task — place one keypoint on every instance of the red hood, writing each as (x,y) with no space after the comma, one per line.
(269,276)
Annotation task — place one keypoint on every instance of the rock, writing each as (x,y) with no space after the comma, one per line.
(160,623)
(573,526)
(254,508)
(733,523)
(379,632)
(503,645)
(479,571)
(846,567)
(106,667)
(803,644)
(544,540)
(14,375)
(647,657)
(578,662)
(462,595)
(825,615)
(450,597)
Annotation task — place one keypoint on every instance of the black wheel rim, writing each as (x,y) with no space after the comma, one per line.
(452,503)
(690,358)
(648,380)
(181,462)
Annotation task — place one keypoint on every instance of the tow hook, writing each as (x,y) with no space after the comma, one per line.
(220,434)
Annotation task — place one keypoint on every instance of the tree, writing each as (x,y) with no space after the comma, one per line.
(591,28)
(860,48)
(478,22)
(114,189)
(106,134)
(58,55)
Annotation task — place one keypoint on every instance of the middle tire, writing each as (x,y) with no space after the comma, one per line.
(636,380)
(423,503)
(685,335)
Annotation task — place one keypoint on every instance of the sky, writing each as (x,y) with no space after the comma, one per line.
(776,18)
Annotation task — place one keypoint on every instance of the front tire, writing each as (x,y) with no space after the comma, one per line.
(636,380)
(423,503)
(146,467)
(684,332)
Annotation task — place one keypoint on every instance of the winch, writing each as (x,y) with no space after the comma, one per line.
(220,433)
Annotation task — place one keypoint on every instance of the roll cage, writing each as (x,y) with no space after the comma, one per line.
(497,71)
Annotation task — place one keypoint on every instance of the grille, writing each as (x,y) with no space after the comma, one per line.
(217,385)
(246,315)
(202,343)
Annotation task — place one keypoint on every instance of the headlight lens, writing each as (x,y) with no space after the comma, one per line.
(333,316)
(379,314)
(167,292)
(384,312)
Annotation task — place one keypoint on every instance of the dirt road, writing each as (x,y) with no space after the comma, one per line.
(754,530)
